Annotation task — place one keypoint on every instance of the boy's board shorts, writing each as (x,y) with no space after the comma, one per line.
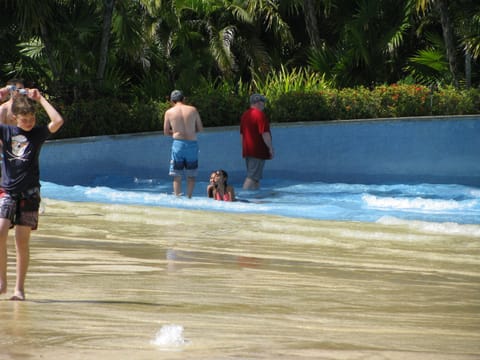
(254,168)
(20,209)
(184,159)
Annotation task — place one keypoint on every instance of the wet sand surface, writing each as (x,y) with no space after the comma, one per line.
(105,279)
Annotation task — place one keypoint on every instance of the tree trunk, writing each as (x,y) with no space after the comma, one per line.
(49,50)
(468,70)
(311,23)
(448,36)
(107,23)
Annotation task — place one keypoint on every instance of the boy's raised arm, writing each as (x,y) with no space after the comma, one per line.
(56,120)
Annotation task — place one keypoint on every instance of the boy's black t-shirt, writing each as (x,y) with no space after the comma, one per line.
(21,151)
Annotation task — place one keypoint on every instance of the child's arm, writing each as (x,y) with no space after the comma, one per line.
(56,120)
(167,127)
(210,190)
(232,193)
(4,91)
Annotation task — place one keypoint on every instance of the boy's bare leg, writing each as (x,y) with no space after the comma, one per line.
(177,185)
(190,186)
(3,266)
(4,226)
(22,240)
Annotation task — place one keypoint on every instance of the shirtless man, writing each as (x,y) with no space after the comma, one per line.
(182,122)
(6,115)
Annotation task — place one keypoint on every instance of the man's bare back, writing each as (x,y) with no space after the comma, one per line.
(182,122)
(6,115)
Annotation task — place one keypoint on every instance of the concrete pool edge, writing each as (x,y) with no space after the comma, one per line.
(376,151)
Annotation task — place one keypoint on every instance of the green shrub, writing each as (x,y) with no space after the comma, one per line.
(355,103)
(146,117)
(218,106)
(96,117)
(222,105)
(300,106)
(399,100)
(450,101)
(283,81)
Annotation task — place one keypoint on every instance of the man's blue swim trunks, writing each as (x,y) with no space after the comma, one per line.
(184,158)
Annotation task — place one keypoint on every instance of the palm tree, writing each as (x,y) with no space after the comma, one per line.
(106,32)
(460,29)
(311,22)
(217,38)
(468,29)
(471,32)
(34,22)
(364,51)
(442,8)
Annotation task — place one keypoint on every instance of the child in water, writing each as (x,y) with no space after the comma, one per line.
(211,185)
(221,190)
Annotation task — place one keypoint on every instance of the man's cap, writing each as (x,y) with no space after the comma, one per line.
(254,98)
(176,95)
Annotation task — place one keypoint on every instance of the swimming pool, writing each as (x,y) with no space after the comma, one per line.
(383,170)
(440,203)
(397,279)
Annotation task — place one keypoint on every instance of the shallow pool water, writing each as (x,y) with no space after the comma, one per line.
(124,282)
(122,269)
(442,203)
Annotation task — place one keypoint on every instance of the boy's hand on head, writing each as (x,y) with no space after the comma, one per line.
(4,92)
(34,94)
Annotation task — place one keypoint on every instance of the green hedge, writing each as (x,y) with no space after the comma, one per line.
(298,106)
(223,105)
(108,116)
(219,106)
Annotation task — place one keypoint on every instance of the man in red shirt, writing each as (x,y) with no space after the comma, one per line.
(256,141)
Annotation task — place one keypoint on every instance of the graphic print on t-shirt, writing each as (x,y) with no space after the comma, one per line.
(19,145)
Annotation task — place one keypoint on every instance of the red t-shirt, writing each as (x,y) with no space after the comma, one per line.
(253,124)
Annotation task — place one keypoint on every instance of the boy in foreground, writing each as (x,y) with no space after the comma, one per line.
(20,184)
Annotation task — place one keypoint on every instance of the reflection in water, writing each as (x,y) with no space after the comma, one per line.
(178,259)
(106,279)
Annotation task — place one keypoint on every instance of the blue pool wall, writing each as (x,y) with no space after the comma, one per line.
(381,151)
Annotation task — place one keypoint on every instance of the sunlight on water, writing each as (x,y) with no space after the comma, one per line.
(169,336)
(418,203)
(447,228)
(446,203)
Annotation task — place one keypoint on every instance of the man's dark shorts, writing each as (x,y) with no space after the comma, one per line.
(254,168)
(20,209)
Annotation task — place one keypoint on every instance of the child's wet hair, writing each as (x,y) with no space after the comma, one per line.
(224,174)
(23,105)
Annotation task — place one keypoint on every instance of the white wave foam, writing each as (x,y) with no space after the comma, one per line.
(163,199)
(417,203)
(475,192)
(314,200)
(170,336)
(445,228)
